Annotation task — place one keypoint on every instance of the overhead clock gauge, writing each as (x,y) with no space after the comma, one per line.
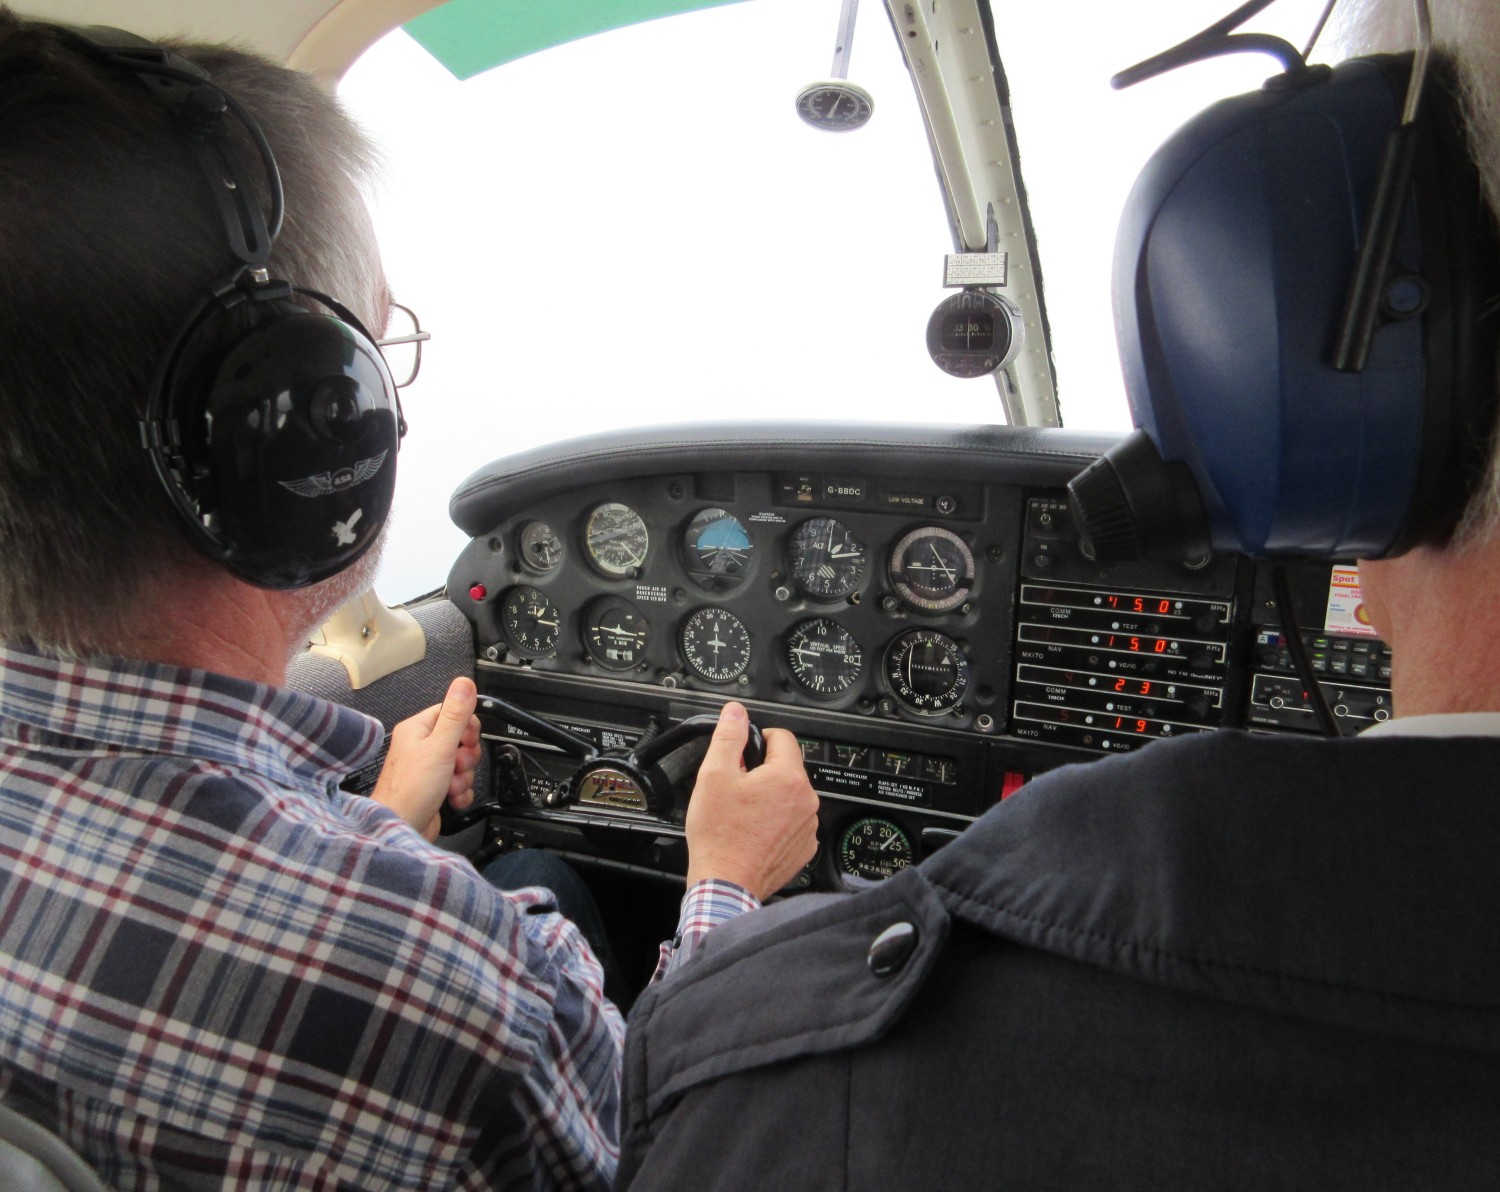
(616,540)
(530,622)
(835,105)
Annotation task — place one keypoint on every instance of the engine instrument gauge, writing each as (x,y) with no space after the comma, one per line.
(616,539)
(717,548)
(530,622)
(541,549)
(614,633)
(827,560)
(874,848)
(715,645)
(926,671)
(823,656)
(932,569)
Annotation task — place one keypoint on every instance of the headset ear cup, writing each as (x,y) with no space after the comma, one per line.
(287,464)
(1235,263)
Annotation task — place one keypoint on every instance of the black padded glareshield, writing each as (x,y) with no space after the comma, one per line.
(273,423)
(1273,419)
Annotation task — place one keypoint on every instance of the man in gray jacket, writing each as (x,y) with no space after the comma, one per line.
(1223,961)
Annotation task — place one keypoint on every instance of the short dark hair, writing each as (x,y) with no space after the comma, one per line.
(108,241)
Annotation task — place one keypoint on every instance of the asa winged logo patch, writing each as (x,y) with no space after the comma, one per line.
(324,484)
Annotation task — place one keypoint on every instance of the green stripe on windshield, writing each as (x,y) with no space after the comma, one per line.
(471,36)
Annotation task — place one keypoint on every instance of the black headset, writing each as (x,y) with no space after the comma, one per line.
(272,428)
(1305,290)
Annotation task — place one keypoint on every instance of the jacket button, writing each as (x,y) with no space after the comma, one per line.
(892,949)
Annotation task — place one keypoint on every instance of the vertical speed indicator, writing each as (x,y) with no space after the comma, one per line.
(823,657)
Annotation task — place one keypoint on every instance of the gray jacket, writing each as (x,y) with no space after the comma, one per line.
(1223,962)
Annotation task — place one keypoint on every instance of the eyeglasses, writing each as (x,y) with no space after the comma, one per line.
(403,351)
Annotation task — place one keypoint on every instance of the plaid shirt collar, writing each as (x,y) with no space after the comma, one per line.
(294,740)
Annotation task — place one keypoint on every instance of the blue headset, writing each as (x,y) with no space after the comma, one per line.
(1305,288)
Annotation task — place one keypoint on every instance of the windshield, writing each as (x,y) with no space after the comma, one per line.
(636,228)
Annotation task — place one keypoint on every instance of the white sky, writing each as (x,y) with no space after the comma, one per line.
(636,228)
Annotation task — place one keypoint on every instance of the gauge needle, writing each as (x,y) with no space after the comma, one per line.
(890,840)
(941,565)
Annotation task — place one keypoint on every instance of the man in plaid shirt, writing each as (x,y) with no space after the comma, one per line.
(217,970)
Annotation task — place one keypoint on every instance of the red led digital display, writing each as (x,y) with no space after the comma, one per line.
(1140,645)
(1140,604)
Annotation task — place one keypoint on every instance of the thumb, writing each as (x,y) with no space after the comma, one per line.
(727,744)
(453,717)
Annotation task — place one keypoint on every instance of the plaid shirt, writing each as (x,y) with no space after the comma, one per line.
(217,970)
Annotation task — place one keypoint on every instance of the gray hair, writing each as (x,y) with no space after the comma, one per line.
(108,241)
(1467,32)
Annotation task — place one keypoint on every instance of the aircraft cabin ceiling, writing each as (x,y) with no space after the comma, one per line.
(324,37)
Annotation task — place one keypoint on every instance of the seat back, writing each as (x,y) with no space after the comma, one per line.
(33,1159)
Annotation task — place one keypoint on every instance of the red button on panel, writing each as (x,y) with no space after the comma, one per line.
(478,592)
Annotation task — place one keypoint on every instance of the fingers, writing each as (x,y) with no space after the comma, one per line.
(456,712)
(727,745)
(782,748)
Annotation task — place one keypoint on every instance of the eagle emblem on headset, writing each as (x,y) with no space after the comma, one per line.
(323,484)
